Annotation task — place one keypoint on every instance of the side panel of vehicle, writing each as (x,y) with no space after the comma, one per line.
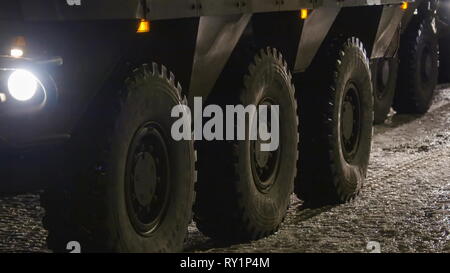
(45,10)
(194,49)
(388,30)
(216,39)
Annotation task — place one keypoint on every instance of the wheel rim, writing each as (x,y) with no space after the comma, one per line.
(350,122)
(264,163)
(147,184)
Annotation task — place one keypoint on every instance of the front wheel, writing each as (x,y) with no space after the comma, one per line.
(128,187)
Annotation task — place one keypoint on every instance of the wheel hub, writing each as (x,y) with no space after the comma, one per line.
(264,163)
(348,119)
(350,122)
(262,158)
(147,184)
(145,178)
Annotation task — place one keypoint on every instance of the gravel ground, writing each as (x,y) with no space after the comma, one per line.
(404,206)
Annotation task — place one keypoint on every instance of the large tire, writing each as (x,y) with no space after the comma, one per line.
(336,121)
(238,199)
(384,79)
(418,70)
(128,187)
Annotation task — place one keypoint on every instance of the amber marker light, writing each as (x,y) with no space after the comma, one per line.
(404,6)
(304,14)
(144,26)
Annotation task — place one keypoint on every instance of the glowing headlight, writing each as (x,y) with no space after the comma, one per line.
(22,85)
(16,52)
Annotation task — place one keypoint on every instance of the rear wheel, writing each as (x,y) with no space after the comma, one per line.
(127,187)
(336,110)
(418,70)
(244,191)
(384,79)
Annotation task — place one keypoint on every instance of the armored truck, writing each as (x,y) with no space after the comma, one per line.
(88,91)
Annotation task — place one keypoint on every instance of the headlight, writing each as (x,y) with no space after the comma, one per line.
(22,85)
(16,52)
